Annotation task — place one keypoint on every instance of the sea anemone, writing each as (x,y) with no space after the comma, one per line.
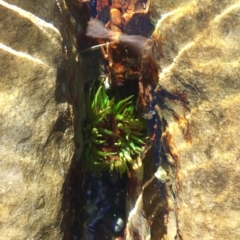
(113,135)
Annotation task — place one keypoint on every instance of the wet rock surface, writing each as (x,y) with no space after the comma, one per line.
(36,144)
(200,67)
(194,114)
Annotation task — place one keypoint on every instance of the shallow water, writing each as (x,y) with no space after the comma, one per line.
(121,55)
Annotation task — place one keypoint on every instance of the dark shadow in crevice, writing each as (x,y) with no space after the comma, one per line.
(61,84)
(77,179)
(73,202)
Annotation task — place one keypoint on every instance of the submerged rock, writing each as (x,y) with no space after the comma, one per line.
(36,134)
(196,46)
(199,85)
(137,227)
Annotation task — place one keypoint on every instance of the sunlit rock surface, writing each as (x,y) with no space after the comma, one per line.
(201,69)
(198,56)
(36,138)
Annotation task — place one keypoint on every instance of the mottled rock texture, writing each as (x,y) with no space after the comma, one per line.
(36,143)
(200,79)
